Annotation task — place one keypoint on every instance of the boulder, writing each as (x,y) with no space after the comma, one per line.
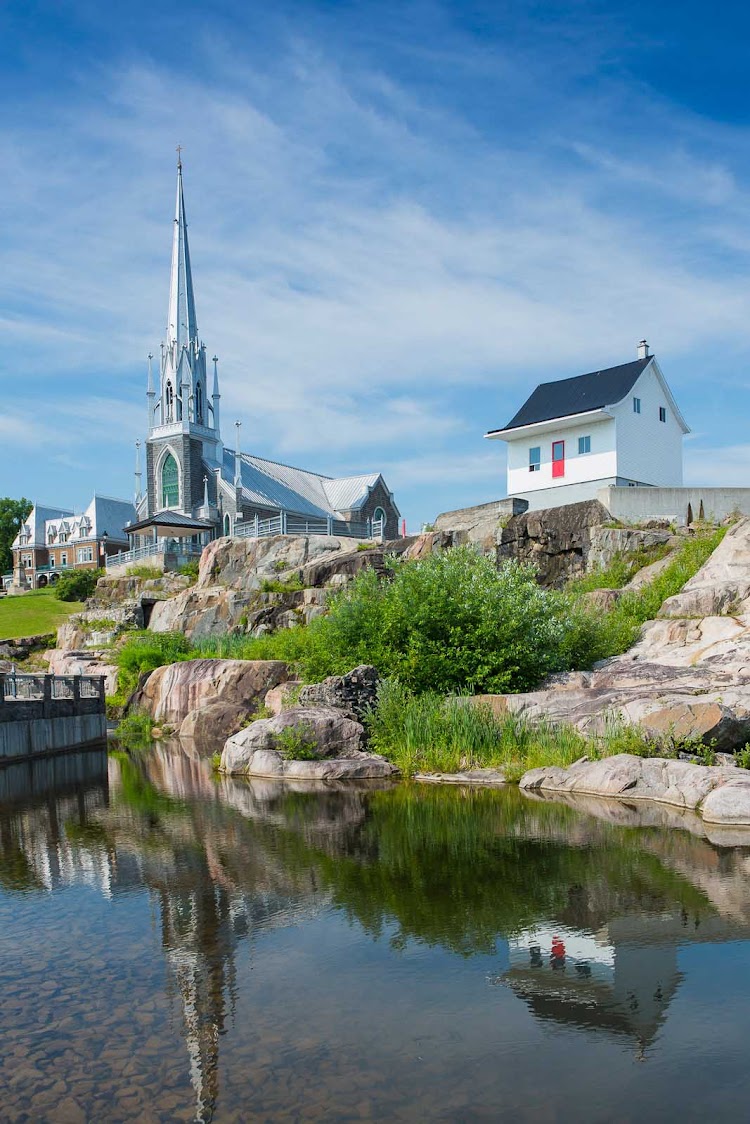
(170,693)
(325,731)
(279,697)
(664,780)
(353,693)
(208,727)
(242,564)
(334,739)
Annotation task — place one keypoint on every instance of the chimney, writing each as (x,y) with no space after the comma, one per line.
(643,350)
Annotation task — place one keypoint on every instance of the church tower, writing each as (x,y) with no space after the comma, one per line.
(183,448)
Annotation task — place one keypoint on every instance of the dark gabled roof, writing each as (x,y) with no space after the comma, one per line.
(174,520)
(578,395)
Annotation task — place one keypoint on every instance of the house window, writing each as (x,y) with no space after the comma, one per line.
(50,536)
(584,445)
(170,483)
(662,413)
(26,561)
(636,405)
(64,558)
(535,459)
(85,554)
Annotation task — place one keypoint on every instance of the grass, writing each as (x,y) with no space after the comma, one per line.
(431,734)
(134,731)
(34,613)
(618,630)
(620,571)
(277,585)
(144,571)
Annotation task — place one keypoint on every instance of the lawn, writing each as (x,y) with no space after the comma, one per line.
(34,613)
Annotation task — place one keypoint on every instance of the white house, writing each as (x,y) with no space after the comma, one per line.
(618,427)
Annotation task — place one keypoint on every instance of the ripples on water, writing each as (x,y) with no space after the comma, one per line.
(179,948)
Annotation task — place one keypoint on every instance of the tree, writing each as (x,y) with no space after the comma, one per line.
(12,515)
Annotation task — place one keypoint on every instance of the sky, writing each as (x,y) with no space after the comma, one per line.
(402,216)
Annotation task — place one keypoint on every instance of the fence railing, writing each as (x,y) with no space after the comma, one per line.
(32,688)
(282,524)
(286,524)
(182,550)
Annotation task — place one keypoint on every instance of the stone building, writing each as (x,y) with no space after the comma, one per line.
(195,487)
(53,540)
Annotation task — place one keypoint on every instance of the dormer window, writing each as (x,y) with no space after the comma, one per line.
(50,537)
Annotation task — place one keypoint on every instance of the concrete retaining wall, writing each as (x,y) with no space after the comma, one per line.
(31,737)
(634,505)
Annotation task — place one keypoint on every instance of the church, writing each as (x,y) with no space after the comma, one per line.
(196,489)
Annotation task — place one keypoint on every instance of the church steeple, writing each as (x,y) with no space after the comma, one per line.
(182,326)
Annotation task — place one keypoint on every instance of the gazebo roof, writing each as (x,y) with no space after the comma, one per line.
(171,523)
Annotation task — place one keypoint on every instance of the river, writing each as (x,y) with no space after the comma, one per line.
(176,947)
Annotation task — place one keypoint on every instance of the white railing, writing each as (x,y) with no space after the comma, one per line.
(282,524)
(286,524)
(182,550)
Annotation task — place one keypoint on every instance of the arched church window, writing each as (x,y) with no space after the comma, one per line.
(199,404)
(227,525)
(169,395)
(170,483)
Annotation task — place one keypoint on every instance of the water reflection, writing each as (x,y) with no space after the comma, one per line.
(579,917)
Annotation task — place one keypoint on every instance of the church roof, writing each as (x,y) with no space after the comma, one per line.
(283,487)
(579,395)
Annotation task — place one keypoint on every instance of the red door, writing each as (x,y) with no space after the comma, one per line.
(558,458)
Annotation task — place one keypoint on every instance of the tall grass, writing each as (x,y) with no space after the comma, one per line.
(429,733)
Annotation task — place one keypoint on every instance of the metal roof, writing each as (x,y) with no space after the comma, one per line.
(349,493)
(565,397)
(173,520)
(284,488)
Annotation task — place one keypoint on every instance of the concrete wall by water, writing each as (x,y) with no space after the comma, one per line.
(30,737)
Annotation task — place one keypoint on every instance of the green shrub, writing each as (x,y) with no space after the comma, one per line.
(190,569)
(451,622)
(276,585)
(134,731)
(145,651)
(77,585)
(295,743)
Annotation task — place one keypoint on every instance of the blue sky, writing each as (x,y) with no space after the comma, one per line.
(402,217)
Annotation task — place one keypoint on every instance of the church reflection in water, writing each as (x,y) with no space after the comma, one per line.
(586,919)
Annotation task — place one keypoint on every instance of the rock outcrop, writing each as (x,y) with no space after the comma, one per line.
(721,795)
(687,677)
(206,729)
(331,743)
(170,693)
(353,693)
(567,542)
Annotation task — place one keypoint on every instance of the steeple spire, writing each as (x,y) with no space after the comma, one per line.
(182,325)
